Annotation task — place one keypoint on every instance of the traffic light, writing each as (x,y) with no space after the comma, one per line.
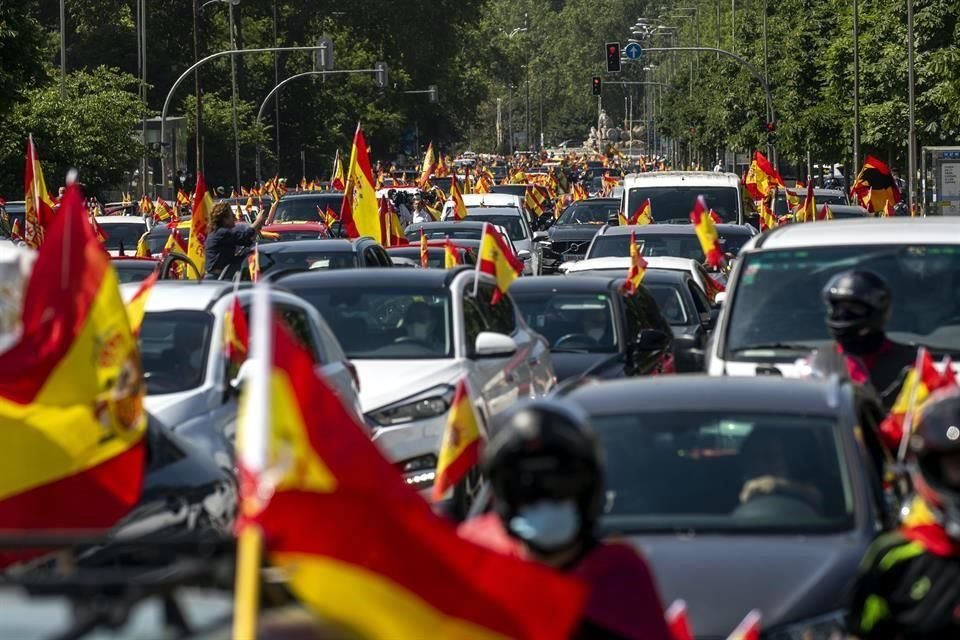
(381,75)
(770,127)
(597,88)
(613,57)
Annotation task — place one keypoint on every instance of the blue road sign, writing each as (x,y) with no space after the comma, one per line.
(633,51)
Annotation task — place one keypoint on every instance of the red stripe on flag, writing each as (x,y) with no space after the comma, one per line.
(457,469)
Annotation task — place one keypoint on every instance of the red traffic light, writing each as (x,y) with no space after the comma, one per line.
(612,50)
(596,85)
(613,57)
(771,127)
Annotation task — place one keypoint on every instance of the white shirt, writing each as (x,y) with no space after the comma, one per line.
(419,217)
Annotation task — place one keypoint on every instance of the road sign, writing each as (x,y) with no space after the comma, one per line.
(633,51)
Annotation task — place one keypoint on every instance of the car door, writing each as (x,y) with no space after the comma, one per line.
(642,314)
(702,307)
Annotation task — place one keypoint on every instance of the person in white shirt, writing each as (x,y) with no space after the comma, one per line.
(420,213)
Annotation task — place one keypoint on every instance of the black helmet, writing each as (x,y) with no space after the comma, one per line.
(856,300)
(546,450)
(935,445)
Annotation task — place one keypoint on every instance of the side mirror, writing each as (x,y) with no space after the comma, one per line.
(493,345)
(523,254)
(540,236)
(235,385)
(652,340)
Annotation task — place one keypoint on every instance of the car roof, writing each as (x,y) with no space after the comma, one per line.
(444,224)
(309,194)
(490,199)
(539,284)
(606,201)
(337,245)
(172,295)
(868,231)
(762,394)
(377,277)
(623,262)
(681,179)
(121,220)
(674,230)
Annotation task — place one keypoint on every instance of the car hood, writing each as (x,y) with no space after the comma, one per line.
(571,365)
(573,232)
(383,382)
(171,409)
(787,578)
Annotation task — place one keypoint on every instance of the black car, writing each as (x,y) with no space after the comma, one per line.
(743,493)
(306,207)
(674,240)
(437,253)
(592,326)
(324,255)
(690,315)
(568,238)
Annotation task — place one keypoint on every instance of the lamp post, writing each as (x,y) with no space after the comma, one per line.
(233,84)
(912,133)
(856,85)
(63,49)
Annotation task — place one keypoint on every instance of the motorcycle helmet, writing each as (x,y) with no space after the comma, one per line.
(543,454)
(858,305)
(935,447)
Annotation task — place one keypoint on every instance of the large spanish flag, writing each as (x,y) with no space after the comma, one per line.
(761,177)
(360,215)
(922,380)
(71,416)
(875,185)
(638,267)
(706,231)
(38,204)
(199,227)
(460,446)
(359,547)
(498,259)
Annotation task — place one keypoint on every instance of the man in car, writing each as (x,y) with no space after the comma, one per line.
(226,236)
(546,471)
(909,582)
(419,325)
(596,326)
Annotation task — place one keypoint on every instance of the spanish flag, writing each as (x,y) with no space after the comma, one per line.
(393,235)
(638,267)
(236,334)
(459,208)
(146,207)
(808,211)
(360,215)
(97,230)
(678,621)
(71,415)
(922,380)
(460,446)
(497,259)
(707,233)
(579,193)
(428,167)
(424,254)
(826,213)
(450,257)
(391,568)
(761,177)
(767,219)
(643,215)
(182,198)
(253,263)
(37,202)
(338,182)
(161,211)
(199,227)
(888,211)
(137,307)
(875,186)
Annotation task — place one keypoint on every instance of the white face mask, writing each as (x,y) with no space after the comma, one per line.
(547,525)
(595,332)
(420,330)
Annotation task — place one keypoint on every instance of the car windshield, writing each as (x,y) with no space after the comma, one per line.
(512,223)
(306,259)
(135,271)
(173,349)
(655,245)
(512,189)
(570,320)
(305,209)
(300,234)
(436,256)
(587,212)
(388,323)
(157,238)
(676,203)
(712,471)
(123,234)
(780,206)
(452,231)
(778,300)
(670,303)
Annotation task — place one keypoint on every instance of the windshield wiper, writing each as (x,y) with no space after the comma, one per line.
(781,346)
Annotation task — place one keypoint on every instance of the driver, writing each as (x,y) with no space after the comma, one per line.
(226,236)
(767,471)
(419,323)
(596,325)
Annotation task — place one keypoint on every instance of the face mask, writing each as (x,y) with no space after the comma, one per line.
(858,343)
(595,332)
(547,525)
(420,330)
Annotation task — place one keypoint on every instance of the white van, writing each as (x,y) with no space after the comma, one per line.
(673,193)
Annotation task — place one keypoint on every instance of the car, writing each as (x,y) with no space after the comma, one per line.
(744,493)
(832,197)
(568,238)
(464,230)
(122,233)
(16,211)
(471,200)
(412,334)
(189,385)
(672,194)
(773,312)
(133,269)
(327,255)
(656,240)
(518,229)
(618,267)
(297,230)
(436,253)
(159,234)
(847,212)
(594,327)
(305,207)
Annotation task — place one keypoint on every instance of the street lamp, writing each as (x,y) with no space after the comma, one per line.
(233,84)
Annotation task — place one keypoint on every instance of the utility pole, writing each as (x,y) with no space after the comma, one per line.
(63,49)
(856,85)
(233,83)
(196,87)
(912,134)
(276,81)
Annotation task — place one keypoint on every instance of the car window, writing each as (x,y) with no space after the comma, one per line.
(123,235)
(298,323)
(501,316)
(699,297)
(306,209)
(475,320)
(383,259)
(635,319)
(589,212)
(581,321)
(298,259)
(676,203)
(173,349)
(514,224)
(670,302)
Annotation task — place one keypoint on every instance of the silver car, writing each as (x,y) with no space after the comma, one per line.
(515,223)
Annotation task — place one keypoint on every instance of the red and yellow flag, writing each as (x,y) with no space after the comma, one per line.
(15,231)
(748,629)
(767,218)
(161,211)
(922,380)
(37,201)
(678,621)
(236,334)
(398,570)
(424,253)
(71,418)
(393,235)
(875,186)
(643,215)
(638,267)
(182,198)
(808,210)
(826,213)
(497,259)
(428,167)
(459,208)
(360,214)
(888,211)
(98,230)
(137,307)
(199,227)
(761,177)
(707,233)
(460,446)
(450,256)
(338,182)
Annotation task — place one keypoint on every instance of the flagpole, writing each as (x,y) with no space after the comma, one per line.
(476,279)
(908,418)
(251,454)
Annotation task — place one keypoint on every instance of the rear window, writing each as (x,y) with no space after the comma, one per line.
(305,209)
(676,246)
(674,204)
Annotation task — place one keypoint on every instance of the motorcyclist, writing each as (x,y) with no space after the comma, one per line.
(226,236)
(858,307)
(546,473)
(909,582)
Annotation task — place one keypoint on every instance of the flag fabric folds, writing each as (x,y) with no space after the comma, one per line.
(338,182)
(808,210)
(761,177)
(638,267)
(236,334)
(393,235)
(199,227)
(643,215)
(397,570)
(888,211)
(706,232)
(71,419)
(875,186)
(428,167)
(826,213)
(460,446)
(38,204)
(921,380)
(498,260)
(749,627)
(360,215)
(678,621)
(253,263)
(459,208)
(450,256)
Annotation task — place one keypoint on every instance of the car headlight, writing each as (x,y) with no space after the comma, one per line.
(427,404)
(419,472)
(830,626)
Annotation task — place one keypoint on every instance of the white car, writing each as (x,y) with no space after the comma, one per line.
(773,312)
(188,378)
(512,219)
(412,334)
(619,266)
(672,194)
(122,232)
